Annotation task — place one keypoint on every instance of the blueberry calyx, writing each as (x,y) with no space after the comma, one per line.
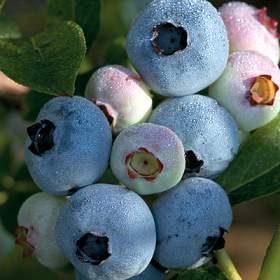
(214,243)
(263,91)
(143,164)
(93,248)
(23,239)
(41,135)
(168,38)
(193,164)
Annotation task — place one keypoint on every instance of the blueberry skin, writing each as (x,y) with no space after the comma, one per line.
(232,88)
(150,273)
(204,127)
(247,32)
(191,68)
(79,276)
(185,217)
(38,215)
(162,143)
(82,141)
(122,94)
(120,215)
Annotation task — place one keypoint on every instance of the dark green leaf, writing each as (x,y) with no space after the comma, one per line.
(48,62)
(263,186)
(60,9)
(255,170)
(8,29)
(86,13)
(210,273)
(34,101)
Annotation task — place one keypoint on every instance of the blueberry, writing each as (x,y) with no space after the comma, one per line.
(36,231)
(208,132)
(191,220)
(107,232)
(251,29)
(249,89)
(121,95)
(150,273)
(148,158)
(68,146)
(178,47)
(79,276)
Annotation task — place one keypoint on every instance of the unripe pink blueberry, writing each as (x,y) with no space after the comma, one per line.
(36,229)
(249,89)
(148,158)
(252,29)
(121,95)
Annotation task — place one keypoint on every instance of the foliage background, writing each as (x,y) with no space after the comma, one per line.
(254,221)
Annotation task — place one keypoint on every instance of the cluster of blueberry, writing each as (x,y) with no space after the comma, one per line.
(108,231)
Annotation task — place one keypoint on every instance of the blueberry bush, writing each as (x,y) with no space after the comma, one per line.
(125,144)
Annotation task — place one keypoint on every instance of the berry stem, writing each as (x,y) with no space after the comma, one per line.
(226,265)
(271,268)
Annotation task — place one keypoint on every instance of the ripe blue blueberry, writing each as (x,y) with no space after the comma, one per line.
(107,232)
(79,276)
(36,229)
(148,158)
(68,146)
(150,273)
(190,221)
(208,132)
(178,47)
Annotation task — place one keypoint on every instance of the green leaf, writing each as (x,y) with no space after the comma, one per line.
(60,10)
(34,101)
(255,172)
(265,185)
(86,13)
(47,62)
(210,273)
(8,29)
